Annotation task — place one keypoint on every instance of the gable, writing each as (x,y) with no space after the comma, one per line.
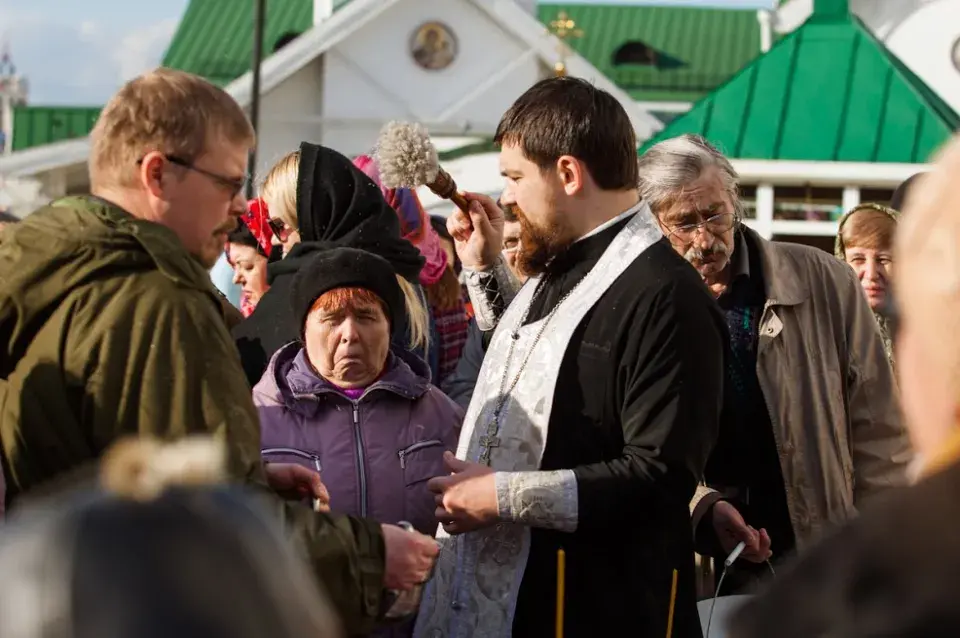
(827,92)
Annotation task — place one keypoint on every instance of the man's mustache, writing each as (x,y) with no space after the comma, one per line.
(696,254)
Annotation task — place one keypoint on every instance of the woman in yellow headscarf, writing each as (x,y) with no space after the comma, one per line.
(865,242)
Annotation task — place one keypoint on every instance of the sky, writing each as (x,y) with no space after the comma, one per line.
(78,52)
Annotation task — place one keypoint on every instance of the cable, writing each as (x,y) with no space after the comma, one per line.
(731,558)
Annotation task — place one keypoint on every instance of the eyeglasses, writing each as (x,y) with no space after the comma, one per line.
(279,228)
(715,225)
(232,185)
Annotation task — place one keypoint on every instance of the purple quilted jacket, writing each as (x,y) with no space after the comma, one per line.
(374,454)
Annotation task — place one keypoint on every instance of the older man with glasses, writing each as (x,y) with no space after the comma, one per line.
(811,422)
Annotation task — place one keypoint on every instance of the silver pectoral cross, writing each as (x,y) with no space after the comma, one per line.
(486,443)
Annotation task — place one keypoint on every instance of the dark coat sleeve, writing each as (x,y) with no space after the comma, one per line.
(269,328)
(459,386)
(669,398)
(168,368)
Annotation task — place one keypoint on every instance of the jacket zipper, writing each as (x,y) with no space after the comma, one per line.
(361,465)
(413,448)
(293,452)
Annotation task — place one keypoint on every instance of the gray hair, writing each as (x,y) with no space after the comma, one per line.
(671,165)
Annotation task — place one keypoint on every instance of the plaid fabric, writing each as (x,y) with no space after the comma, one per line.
(452,330)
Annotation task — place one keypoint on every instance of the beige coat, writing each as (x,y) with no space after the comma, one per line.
(829,389)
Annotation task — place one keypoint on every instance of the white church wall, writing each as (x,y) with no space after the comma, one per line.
(282,123)
(925,42)
(372,77)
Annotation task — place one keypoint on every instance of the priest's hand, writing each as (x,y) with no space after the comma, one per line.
(478,235)
(731,529)
(467,499)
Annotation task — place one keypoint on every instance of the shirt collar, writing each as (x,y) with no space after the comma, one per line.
(740,261)
(633,210)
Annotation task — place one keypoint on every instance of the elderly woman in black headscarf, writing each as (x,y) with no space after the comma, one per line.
(318,200)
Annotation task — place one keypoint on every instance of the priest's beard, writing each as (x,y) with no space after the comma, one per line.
(539,245)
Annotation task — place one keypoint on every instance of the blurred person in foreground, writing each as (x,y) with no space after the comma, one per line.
(895,571)
(159,546)
(598,401)
(865,243)
(459,385)
(110,325)
(811,426)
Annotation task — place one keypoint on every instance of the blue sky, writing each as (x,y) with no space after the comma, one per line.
(79,51)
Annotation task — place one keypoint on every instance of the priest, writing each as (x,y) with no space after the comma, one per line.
(598,401)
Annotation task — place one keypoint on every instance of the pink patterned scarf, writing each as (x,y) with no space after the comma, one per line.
(414,223)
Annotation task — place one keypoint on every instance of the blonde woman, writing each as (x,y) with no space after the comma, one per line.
(317,199)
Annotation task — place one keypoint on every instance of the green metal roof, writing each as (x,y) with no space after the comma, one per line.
(702,47)
(36,125)
(698,48)
(215,37)
(829,91)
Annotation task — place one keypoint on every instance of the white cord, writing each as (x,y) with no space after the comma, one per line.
(734,555)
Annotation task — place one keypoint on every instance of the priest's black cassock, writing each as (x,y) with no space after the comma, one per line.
(635,413)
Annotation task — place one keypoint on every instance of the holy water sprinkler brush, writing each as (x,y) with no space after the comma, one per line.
(408,159)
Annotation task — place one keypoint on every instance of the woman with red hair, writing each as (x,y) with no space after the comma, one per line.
(343,402)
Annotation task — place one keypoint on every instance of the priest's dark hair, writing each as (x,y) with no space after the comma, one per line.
(570,116)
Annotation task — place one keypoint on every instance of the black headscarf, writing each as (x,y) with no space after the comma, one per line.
(339,206)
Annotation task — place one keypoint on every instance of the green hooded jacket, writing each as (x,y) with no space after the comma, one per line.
(840,251)
(108,327)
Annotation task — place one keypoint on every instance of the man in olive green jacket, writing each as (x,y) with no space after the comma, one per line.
(110,326)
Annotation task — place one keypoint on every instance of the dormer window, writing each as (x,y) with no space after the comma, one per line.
(636,52)
(285,39)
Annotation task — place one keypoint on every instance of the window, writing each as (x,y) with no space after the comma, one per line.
(748,199)
(811,203)
(639,53)
(635,52)
(285,39)
(876,195)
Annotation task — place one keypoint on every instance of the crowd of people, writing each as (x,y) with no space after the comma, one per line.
(558,412)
